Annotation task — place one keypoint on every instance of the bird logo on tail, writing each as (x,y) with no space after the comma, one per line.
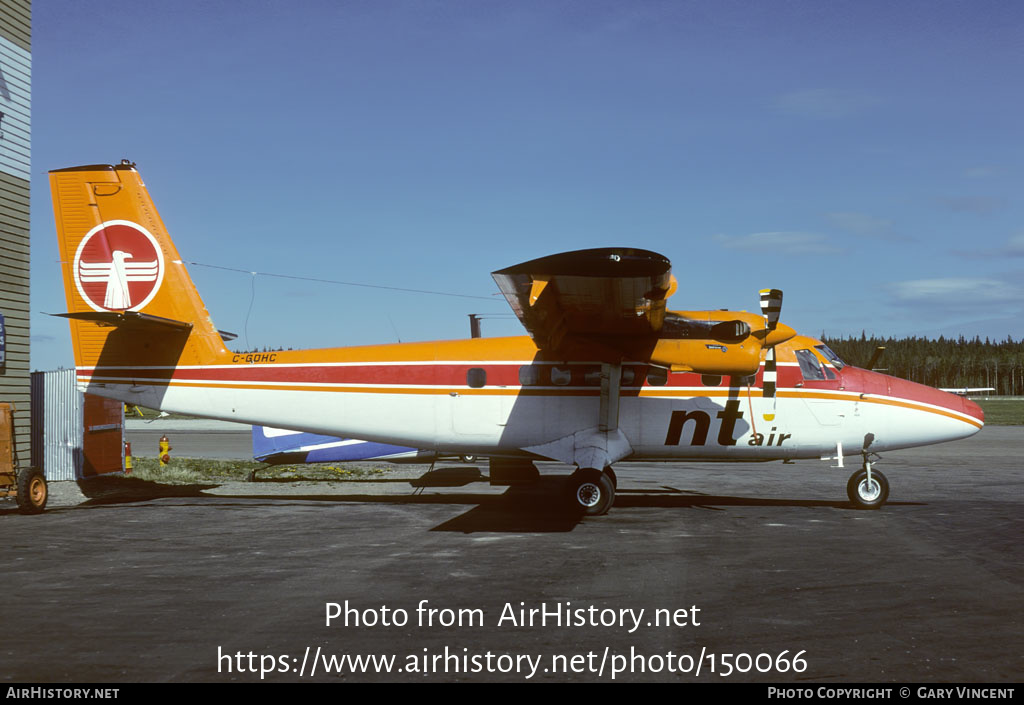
(118,267)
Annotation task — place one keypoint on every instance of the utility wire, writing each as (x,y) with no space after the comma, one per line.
(252,300)
(335,281)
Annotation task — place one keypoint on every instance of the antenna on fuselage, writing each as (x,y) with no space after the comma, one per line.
(874,360)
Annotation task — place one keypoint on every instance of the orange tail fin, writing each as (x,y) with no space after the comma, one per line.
(130,300)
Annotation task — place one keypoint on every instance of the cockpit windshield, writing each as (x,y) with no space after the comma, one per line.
(836,361)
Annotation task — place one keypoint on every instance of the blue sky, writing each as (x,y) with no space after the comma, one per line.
(865,157)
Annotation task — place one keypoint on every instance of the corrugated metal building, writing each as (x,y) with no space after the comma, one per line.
(15,149)
(56,424)
(75,436)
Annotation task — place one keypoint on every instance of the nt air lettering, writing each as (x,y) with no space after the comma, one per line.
(702,423)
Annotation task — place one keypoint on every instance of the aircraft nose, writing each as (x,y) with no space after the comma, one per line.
(936,397)
(972,409)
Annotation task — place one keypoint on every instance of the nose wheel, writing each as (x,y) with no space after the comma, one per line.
(867,488)
(591,492)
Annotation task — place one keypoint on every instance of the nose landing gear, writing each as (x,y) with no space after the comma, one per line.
(867,488)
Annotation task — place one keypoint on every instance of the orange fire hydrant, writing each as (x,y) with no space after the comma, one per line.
(165,451)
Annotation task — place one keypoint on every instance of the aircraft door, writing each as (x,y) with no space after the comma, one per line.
(479,413)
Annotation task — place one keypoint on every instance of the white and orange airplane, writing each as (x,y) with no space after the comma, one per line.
(607,373)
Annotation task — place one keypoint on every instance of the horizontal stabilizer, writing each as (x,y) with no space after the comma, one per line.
(128,319)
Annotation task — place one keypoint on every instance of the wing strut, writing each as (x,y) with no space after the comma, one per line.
(611,387)
(599,446)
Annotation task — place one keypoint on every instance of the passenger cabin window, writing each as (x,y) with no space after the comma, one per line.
(530,375)
(476,377)
(561,376)
(588,375)
(810,368)
(657,376)
(592,376)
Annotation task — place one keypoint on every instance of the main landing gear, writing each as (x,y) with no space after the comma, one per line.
(867,488)
(591,492)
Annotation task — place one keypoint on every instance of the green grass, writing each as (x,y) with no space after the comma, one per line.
(1002,412)
(188,471)
(142,412)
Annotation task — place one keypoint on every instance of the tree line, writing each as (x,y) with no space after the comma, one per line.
(945,362)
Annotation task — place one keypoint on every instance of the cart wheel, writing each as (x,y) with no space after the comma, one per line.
(32,491)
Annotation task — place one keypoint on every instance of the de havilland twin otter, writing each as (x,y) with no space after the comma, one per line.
(607,372)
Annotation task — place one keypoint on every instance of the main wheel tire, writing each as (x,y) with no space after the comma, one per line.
(467,458)
(32,491)
(865,495)
(591,492)
(611,475)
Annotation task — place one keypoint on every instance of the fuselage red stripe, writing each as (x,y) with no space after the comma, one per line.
(502,375)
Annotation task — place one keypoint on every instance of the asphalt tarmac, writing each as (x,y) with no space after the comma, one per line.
(758,572)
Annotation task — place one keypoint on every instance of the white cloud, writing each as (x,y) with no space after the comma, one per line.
(783,242)
(824,103)
(973,204)
(960,292)
(859,223)
(982,172)
(1014,247)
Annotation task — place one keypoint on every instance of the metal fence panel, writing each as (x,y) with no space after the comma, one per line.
(57,424)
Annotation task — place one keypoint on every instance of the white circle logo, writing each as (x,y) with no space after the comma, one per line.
(118,266)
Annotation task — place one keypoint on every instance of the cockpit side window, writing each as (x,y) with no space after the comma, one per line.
(829,355)
(810,368)
(826,364)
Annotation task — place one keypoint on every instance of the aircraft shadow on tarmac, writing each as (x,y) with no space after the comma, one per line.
(537,507)
(123,490)
(441,477)
(115,490)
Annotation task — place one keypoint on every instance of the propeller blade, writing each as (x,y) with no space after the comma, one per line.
(771,306)
(771,309)
(768,381)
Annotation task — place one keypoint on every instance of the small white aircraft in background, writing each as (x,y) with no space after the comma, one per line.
(607,373)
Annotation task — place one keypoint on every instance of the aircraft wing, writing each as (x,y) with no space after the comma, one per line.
(614,295)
